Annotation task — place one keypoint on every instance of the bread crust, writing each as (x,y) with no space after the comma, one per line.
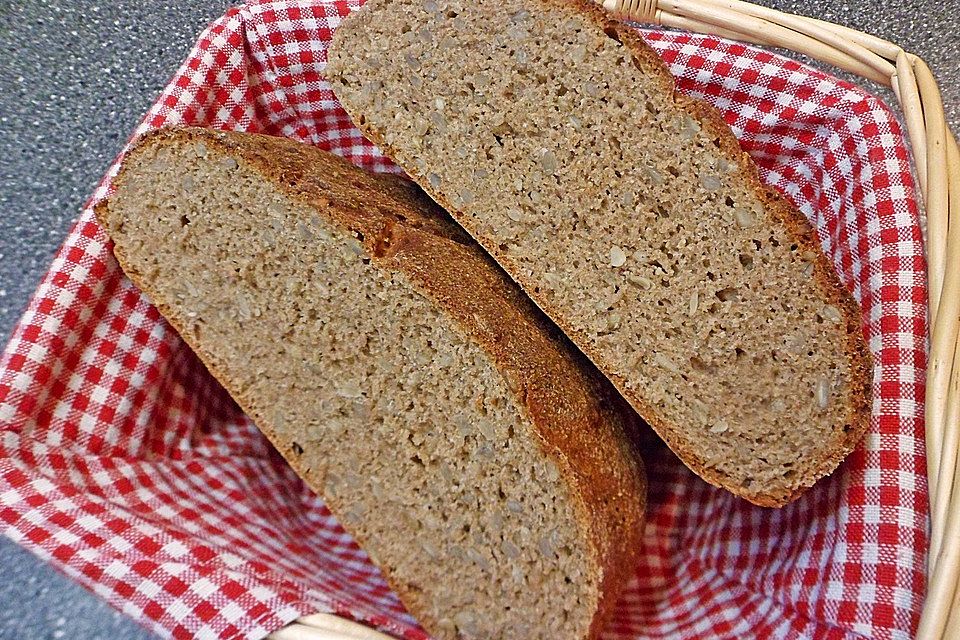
(576,416)
(797,226)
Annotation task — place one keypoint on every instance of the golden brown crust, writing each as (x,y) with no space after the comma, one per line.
(782,211)
(581,421)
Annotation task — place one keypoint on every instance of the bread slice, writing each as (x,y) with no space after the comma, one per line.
(481,461)
(630,215)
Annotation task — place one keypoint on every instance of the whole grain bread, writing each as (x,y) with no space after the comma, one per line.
(629,214)
(484,465)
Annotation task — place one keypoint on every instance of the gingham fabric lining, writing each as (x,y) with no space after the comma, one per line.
(125,464)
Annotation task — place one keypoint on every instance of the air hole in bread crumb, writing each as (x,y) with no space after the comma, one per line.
(184,221)
(728,294)
(699,365)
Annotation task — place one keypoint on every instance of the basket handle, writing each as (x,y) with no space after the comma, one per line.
(937,162)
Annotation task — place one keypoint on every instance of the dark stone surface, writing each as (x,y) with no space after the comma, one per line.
(75,78)
(38,602)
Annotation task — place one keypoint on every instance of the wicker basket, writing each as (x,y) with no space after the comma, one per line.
(937,162)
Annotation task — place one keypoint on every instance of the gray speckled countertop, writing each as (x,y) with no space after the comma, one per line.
(75,78)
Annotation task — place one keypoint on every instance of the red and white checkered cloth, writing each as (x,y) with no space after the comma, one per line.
(126,465)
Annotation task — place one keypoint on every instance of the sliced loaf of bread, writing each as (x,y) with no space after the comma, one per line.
(629,214)
(480,460)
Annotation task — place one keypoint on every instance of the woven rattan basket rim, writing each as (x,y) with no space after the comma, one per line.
(937,162)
